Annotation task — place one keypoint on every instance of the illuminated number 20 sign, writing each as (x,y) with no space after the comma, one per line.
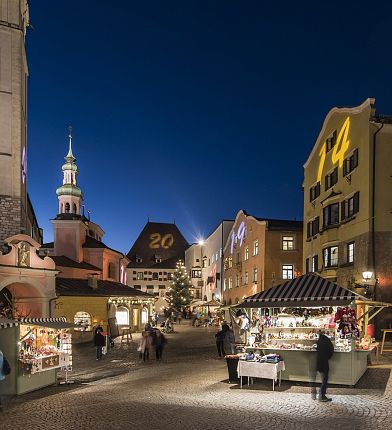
(158,241)
(339,150)
(237,237)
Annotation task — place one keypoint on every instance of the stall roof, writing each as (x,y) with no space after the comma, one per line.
(306,290)
(56,323)
(6,323)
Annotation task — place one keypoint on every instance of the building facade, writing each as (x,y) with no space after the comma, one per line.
(260,253)
(16,212)
(153,258)
(348,202)
(203,261)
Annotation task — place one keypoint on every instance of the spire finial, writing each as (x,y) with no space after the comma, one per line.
(70,155)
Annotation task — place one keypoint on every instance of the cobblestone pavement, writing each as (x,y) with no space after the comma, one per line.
(190,390)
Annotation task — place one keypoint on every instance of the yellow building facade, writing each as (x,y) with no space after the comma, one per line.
(348,201)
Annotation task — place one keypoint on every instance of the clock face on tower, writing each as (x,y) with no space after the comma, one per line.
(24,165)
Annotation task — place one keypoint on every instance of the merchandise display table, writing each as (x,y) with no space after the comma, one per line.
(254,369)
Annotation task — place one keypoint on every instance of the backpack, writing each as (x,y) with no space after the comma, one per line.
(6,366)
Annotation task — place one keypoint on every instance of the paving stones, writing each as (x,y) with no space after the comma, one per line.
(190,390)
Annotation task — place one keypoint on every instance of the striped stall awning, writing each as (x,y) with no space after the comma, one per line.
(56,323)
(306,290)
(6,323)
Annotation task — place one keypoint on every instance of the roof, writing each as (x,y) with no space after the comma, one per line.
(64,261)
(158,239)
(80,287)
(94,243)
(282,224)
(306,290)
(48,245)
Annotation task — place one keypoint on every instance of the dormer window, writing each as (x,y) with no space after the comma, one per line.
(158,259)
(139,260)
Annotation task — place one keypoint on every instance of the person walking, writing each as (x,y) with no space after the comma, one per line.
(179,317)
(99,342)
(230,339)
(5,370)
(146,342)
(159,341)
(219,339)
(324,354)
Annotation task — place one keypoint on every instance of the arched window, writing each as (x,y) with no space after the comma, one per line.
(67,208)
(74,208)
(111,271)
(122,315)
(144,316)
(83,321)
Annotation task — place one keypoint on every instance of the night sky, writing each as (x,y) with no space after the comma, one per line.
(193,110)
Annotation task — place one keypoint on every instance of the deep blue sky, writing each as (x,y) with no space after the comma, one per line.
(193,109)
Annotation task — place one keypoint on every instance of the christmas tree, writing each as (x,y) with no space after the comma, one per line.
(178,295)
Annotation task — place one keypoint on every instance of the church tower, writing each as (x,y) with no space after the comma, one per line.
(16,213)
(70,228)
(69,194)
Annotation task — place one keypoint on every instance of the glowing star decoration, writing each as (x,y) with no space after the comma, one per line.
(24,165)
(237,237)
(339,149)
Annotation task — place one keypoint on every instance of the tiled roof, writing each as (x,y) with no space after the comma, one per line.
(158,240)
(94,243)
(64,261)
(80,287)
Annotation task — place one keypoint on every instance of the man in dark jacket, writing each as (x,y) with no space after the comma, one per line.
(324,353)
(99,341)
(219,339)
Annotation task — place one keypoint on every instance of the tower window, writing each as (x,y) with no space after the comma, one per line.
(74,208)
(67,208)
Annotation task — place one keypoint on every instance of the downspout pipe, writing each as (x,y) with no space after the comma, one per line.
(373,233)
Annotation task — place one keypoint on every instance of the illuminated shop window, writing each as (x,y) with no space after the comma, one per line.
(144,316)
(122,315)
(83,321)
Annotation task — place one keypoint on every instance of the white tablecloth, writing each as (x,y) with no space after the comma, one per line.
(260,370)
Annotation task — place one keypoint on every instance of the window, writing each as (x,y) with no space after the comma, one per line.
(196,273)
(350,206)
(122,315)
(155,276)
(287,271)
(138,287)
(350,163)
(314,191)
(204,262)
(256,247)
(230,262)
(230,283)
(313,227)
(330,142)
(288,243)
(254,275)
(307,265)
(111,270)
(350,252)
(330,255)
(224,285)
(139,276)
(237,280)
(237,258)
(331,178)
(246,256)
(139,260)
(331,215)
(162,293)
(67,208)
(315,263)
(83,321)
(246,278)
(170,276)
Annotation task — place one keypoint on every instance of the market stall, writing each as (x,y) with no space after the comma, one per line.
(286,320)
(36,349)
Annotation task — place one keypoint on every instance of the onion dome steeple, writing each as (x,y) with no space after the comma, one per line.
(69,194)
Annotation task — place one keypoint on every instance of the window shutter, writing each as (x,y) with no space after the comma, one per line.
(317,189)
(310,194)
(345,162)
(355,158)
(356,202)
(308,229)
(343,210)
(335,175)
(307,265)
(316,263)
(316,228)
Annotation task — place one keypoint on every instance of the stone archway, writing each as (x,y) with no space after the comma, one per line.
(26,300)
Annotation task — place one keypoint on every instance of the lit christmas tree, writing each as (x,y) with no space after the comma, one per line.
(178,295)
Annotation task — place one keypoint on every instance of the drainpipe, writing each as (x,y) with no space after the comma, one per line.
(373,233)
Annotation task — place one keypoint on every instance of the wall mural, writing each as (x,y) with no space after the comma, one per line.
(239,236)
(157,241)
(339,149)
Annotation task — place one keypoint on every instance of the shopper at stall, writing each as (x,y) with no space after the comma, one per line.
(99,342)
(230,339)
(220,339)
(324,353)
